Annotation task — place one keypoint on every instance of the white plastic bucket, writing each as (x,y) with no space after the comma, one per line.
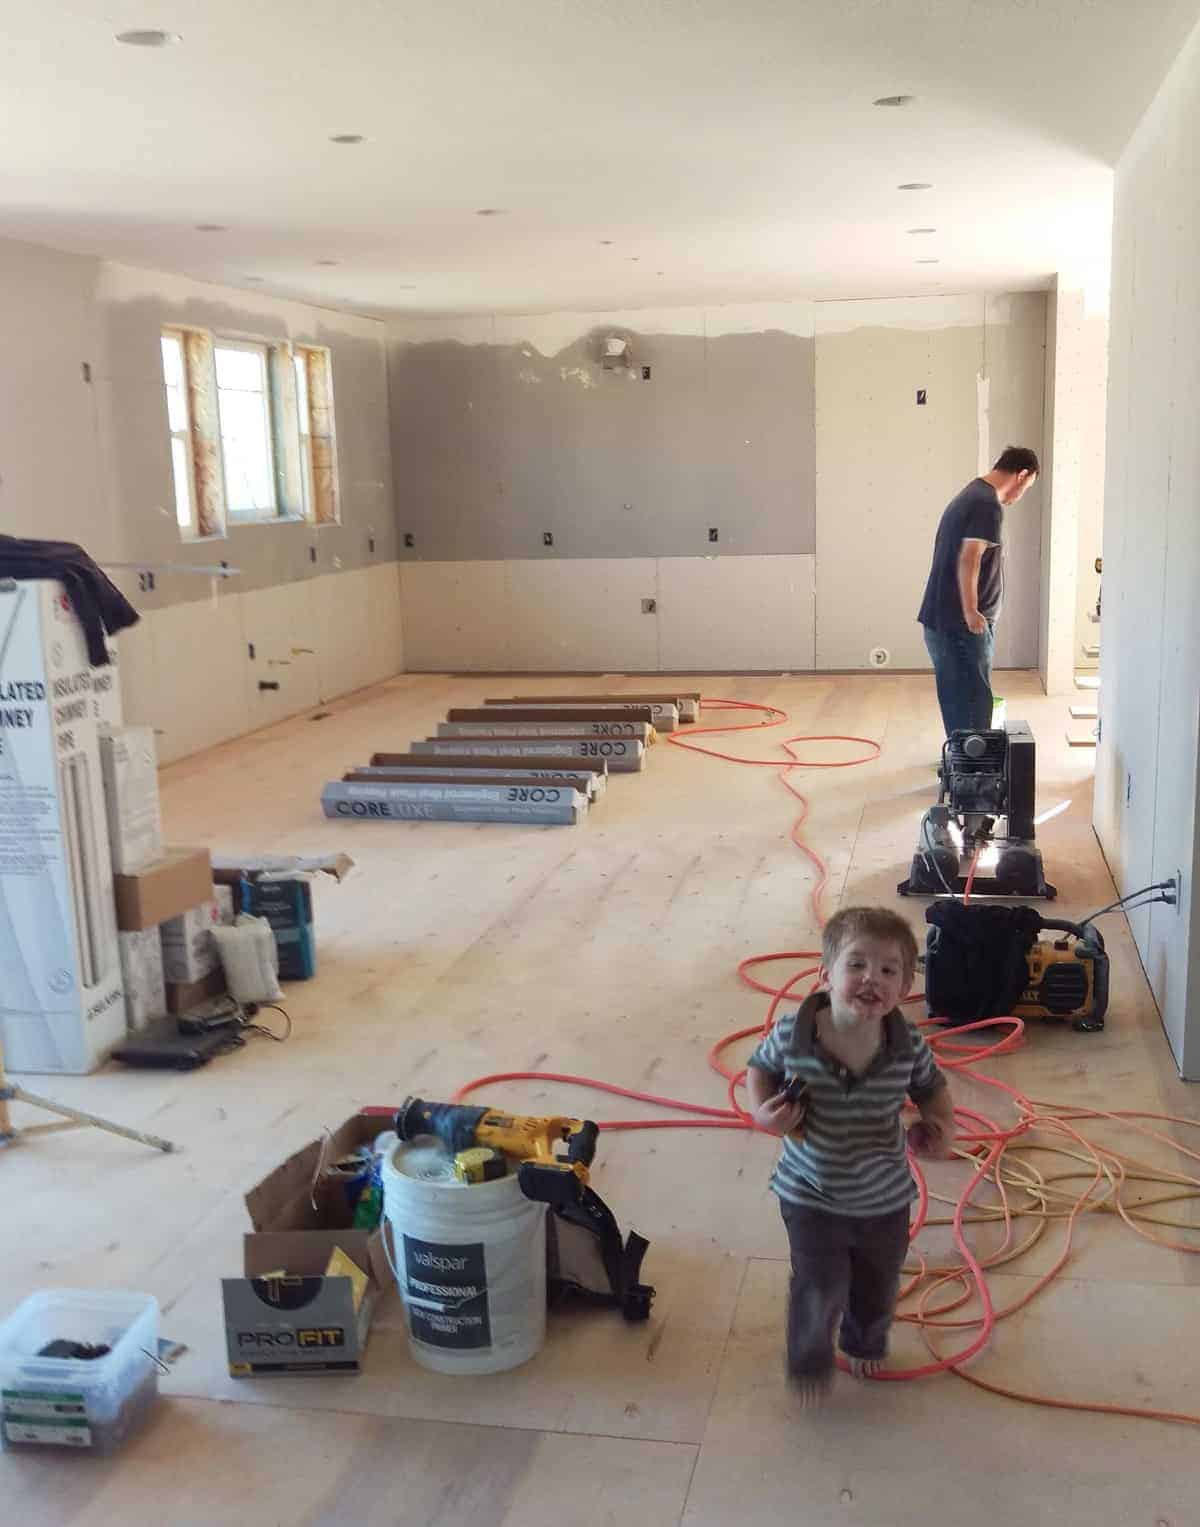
(470,1262)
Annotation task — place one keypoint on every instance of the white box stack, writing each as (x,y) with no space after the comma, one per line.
(130,762)
(142,971)
(189,951)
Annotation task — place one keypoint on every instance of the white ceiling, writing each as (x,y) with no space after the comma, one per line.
(728,148)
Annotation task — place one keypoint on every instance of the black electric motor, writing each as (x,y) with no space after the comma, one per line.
(985,797)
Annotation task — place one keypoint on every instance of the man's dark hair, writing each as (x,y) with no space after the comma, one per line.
(1017,458)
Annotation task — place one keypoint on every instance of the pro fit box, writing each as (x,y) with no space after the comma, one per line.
(305,1322)
(129,761)
(182,878)
(287,906)
(62,1003)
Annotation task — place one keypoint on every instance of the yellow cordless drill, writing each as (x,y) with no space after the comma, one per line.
(544,1175)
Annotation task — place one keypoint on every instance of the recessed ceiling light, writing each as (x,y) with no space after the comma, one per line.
(894,100)
(660,272)
(634,258)
(211,228)
(929,262)
(347,138)
(254,278)
(148,39)
(606,241)
(922,230)
(326,262)
(916,185)
(491,211)
(406,288)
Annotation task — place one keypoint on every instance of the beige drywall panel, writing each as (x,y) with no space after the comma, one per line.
(886,467)
(183,673)
(50,459)
(1146,770)
(1014,378)
(582,614)
(341,632)
(279,629)
(386,624)
(456,617)
(719,613)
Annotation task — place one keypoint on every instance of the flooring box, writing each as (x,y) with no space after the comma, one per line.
(181,879)
(304,1322)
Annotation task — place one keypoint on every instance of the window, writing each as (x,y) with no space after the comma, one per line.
(251,431)
(244,408)
(175,380)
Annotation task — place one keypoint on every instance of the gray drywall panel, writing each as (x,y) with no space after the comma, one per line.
(50,460)
(135,429)
(496,445)
(1146,767)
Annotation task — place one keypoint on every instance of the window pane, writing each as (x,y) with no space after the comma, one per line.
(172,361)
(245,444)
(176,410)
(245,430)
(302,393)
(183,486)
(241,369)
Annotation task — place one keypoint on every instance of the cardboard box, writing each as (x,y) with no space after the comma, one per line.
(142,970)
(182,997)
(129,760)
(306,1322)
(62,1003)
(182,878)
(189,951)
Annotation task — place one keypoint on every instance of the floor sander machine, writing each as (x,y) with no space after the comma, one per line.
(587,1259)
(986,784)
(984,960)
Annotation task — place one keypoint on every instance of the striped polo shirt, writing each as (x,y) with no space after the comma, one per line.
(850,1156)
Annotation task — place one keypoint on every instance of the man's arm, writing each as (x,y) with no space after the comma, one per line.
(970,555)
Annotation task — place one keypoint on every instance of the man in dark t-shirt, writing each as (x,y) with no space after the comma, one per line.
(966,589)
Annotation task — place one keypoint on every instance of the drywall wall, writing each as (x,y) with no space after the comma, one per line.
(1146,766)
(510,430)
(587,615)
(887,464)
(84,456)
(1073,473)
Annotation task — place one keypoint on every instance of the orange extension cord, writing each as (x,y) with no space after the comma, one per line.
(989,1148)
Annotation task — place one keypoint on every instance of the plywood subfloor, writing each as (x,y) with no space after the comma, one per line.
(606,950)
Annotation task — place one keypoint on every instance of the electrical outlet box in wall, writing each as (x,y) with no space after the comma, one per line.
(714,534)
(922,397)
(649,606)
(547,538)
(410,540)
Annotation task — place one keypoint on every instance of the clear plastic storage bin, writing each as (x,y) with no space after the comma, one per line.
(82,1404)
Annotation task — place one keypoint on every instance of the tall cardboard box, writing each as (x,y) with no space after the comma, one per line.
(129,760)
(62,1000)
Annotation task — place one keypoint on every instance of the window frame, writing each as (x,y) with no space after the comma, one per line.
(277,511)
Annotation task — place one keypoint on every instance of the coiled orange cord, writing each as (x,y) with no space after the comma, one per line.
(990,1149)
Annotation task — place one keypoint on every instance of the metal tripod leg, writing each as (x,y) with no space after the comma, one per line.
(71,1118)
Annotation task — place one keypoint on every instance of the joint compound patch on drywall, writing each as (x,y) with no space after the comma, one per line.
(912,313)
(577,374)
(983,393)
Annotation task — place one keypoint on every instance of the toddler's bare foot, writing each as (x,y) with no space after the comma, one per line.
(864,1367)
(811,1392)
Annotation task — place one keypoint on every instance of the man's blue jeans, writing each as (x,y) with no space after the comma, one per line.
(962,666)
